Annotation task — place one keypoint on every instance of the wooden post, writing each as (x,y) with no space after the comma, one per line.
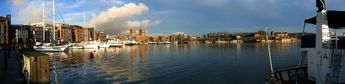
(36,67)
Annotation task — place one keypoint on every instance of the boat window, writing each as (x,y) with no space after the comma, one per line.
(308,41)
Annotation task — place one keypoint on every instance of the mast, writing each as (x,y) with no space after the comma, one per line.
(53,41)
(94,32)
(43,29)
(84,19)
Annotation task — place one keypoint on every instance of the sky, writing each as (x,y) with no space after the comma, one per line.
(168,16)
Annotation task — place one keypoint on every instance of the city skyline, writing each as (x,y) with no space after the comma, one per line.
(168,16)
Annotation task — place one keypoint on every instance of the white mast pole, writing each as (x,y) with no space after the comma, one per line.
(84,19)
(53,21)
(43,22)
(269,54)
(94,32)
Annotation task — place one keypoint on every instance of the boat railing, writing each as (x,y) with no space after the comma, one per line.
(288,75)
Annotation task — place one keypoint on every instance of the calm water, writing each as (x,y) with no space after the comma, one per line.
(165,64)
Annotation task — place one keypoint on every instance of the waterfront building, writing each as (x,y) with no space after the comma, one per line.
(100,36)
(260,34)
(22,33)
(77,33)
(5,30)
(142,32)
(162,38)
(37,31)
(64,33)
(92,33)
(121,37)
(280,35)
(85,34)
(142,38)
(132,33)
(153,39)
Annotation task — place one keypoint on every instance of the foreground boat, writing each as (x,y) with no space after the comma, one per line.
(321,54)
(50,48)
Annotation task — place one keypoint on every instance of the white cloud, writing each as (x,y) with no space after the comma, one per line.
(143,23)
(31,11)
(115,19)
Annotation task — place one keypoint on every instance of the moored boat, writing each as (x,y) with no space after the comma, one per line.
(91,45)
(321,53)
(104,45)
(77,46)
(50,48)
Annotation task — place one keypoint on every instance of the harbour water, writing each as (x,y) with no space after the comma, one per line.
(166,64)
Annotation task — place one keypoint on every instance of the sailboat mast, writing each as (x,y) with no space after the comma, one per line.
(43,29)
(84,19)
(53,22)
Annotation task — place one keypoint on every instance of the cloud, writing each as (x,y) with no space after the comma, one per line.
(27,11)
(115,19)
(143,23)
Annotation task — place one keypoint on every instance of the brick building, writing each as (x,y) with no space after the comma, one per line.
(6,32)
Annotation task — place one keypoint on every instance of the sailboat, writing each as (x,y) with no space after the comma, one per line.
(321,54)
(115,43)
(50,47)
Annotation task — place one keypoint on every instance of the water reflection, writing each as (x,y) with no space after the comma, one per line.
(197,63)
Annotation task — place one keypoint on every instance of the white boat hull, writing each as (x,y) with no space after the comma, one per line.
(50,48)
(77,47)
(116,45)
(104,46)
(91,46)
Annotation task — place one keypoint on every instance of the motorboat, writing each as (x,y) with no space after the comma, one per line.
(132,42)
(115,43)
(91,45)
(322,53)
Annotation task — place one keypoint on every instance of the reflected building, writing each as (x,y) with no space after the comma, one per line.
(141,52)
(133,55)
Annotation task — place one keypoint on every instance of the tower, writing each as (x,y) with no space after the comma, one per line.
(142,32)
(132,33)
